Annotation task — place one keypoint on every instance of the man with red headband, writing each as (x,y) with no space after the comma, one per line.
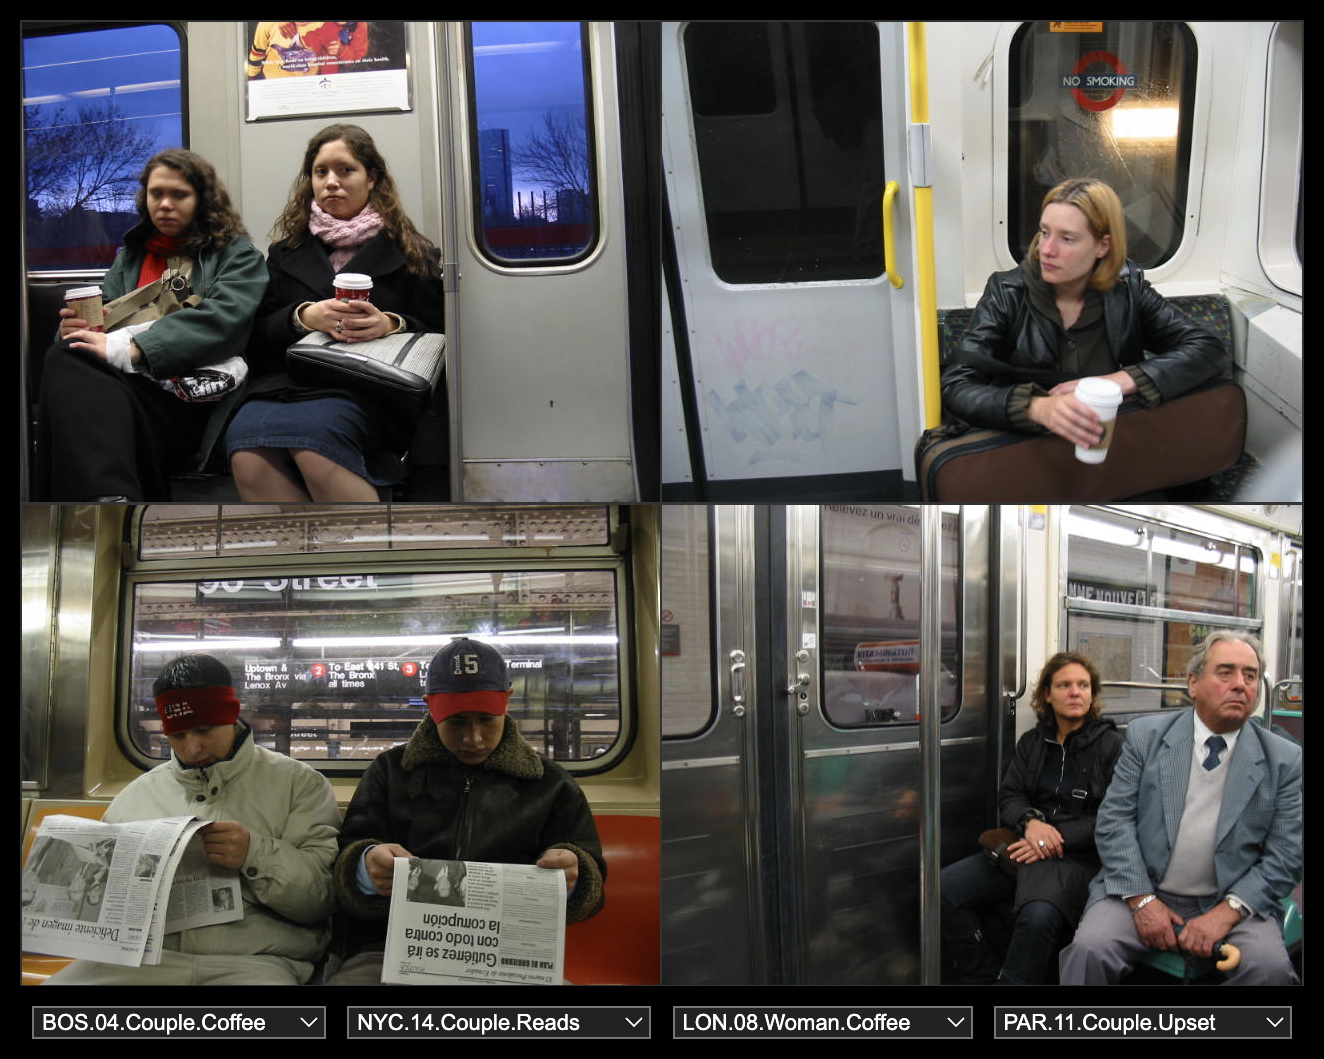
(274,820)
(465,787)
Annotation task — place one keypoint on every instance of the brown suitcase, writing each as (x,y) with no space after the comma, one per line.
(1186,439)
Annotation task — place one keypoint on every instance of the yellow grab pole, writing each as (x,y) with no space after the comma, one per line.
(930,369)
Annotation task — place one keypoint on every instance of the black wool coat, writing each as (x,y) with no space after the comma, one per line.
(303,273)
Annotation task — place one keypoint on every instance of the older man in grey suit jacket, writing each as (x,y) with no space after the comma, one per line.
(1199,834)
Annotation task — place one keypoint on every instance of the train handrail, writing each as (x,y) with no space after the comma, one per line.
(930,741)
(889,234)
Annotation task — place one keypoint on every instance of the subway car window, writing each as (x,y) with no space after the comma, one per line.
(801,104)
(532,139)
(169,532)
(96,105)
(689,703)
(1282,188)
(1141,595)
(1112,100)
(870,614)
(332,666)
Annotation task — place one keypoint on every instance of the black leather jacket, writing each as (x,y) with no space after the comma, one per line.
(507,810)
(1004,329)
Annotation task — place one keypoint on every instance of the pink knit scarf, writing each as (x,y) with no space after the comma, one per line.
(346,237)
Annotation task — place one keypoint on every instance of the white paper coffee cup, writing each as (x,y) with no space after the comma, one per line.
(86,304)
(1105,397)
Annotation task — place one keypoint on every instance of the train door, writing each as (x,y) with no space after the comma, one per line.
(793,342)
(799,824)
(541,403)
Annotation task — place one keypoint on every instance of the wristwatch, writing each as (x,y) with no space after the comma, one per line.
(1237,905)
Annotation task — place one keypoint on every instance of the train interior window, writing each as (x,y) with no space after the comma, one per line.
(871,614)
(1281,235)
(1111,100)
(688,700)
(1141,595)
(270,529)
(96,105)
(802,103)
(332,666)
(532,134)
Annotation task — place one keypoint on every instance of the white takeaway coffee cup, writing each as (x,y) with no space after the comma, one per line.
(1104,396)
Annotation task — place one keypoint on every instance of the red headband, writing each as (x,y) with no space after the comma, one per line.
(185,708)
(443,704)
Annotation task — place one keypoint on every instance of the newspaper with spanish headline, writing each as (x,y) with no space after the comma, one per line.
(472,922)
(111,892)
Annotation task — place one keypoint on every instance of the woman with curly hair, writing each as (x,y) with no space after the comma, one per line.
(111,426)
(291,442)
(1049,797)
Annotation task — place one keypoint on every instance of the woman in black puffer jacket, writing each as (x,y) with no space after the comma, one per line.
(1049,796)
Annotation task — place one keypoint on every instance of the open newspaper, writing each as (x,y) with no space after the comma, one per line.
(469,922)
(111,892)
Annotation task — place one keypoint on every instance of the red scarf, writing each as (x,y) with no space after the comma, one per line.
(159,247)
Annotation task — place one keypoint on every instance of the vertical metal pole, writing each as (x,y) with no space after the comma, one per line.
(930,719)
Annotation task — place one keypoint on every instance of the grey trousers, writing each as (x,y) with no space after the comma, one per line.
(1106,946)
(178,968)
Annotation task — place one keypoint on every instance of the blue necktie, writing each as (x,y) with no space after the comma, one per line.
(1216,744)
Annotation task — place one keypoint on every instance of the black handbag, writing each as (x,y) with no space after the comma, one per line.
(397,372)
(994,845)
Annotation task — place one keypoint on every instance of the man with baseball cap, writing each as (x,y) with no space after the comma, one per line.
(274,820)
(465,787)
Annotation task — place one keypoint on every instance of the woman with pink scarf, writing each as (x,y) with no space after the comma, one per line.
(291,442)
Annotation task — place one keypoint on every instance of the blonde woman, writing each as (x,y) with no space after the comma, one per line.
(1075,308)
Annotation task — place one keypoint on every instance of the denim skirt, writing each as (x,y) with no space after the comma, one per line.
(335,427)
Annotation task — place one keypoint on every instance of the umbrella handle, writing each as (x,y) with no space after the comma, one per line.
(1228,956)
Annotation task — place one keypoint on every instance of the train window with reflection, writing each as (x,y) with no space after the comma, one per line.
(870,608)
(531,141)
(1282,188)
(330,662)
(1141,595)
(97,104)
(800,102)
(1111,100)
(689,703)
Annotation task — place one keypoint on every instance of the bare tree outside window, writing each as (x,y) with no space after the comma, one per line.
(82,174)
(89,160)
(556,155)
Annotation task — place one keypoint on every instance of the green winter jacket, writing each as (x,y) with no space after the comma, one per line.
(231,282)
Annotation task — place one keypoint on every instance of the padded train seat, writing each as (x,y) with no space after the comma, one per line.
(621,944)
(1155,450)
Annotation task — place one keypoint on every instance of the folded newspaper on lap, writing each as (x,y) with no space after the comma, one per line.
(111,892)
(471,922)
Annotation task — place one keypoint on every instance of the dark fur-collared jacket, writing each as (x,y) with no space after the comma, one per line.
(1010,348)
(507,810)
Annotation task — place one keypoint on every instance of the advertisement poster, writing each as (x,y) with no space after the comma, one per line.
(300,69)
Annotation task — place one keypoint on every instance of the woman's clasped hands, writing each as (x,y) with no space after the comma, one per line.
(1041,842)
(347,321)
